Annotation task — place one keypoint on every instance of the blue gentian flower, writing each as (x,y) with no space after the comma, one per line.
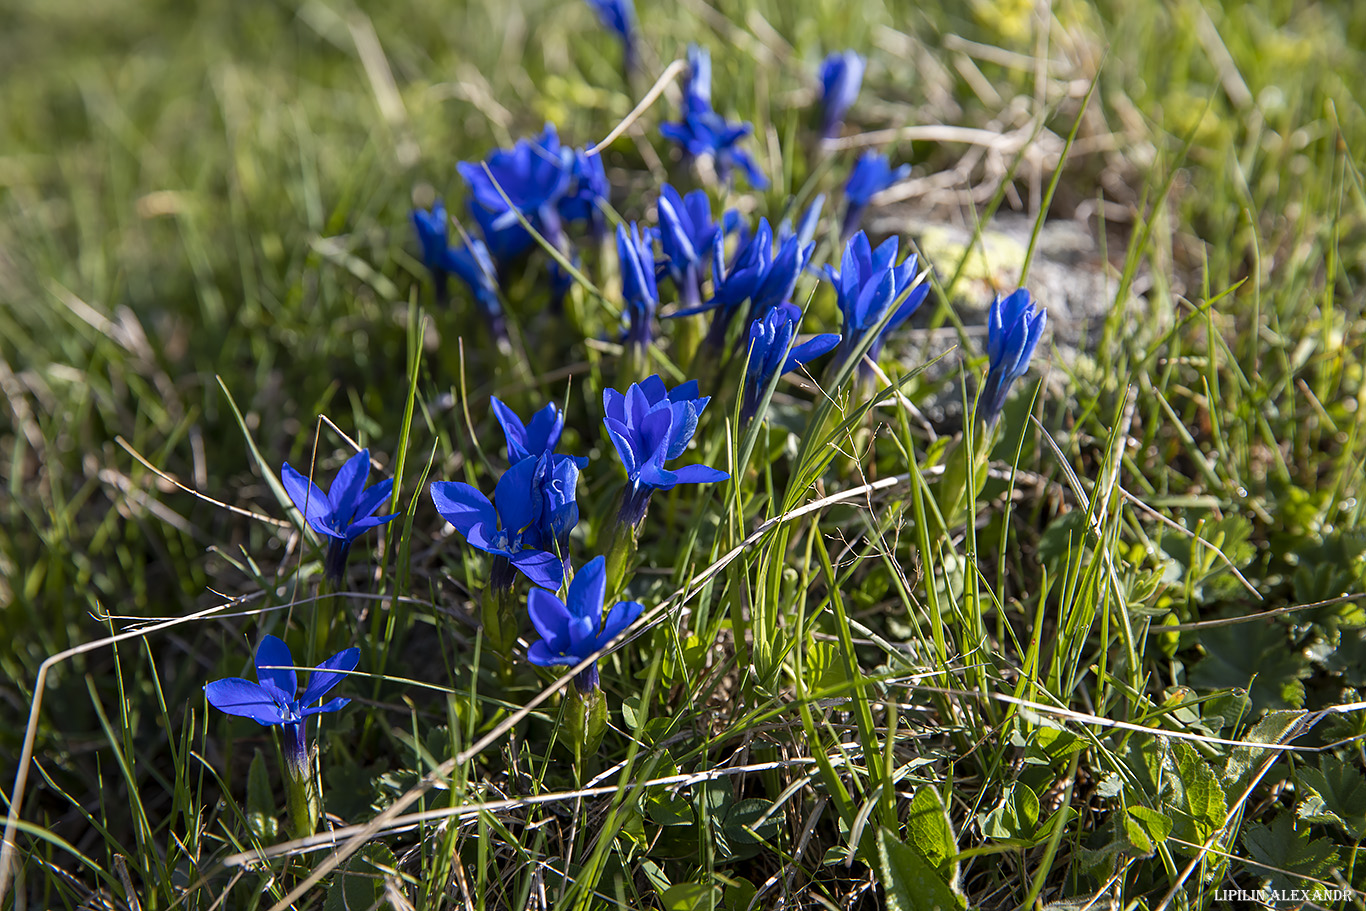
(638,288)
(475,267)
(704,133)
(535,508)
(686,233)
(504,243)
(871,175)
(650,425)
(619,16)
(770,337)
(345,512)
(539,436)
(272,700)
(867,283)
(841,77)
(431,229)
(573,629)
(756,274)
(534,174)
(1014,327)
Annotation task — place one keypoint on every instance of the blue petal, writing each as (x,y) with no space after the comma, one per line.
(463,506)
(543,433)
(333,705)
(622,615)
(620,436)
(323,677)
(549,616)
(309,500)
(543,655)
(274,668)
(588,590)
(244,699)
(699,474)
(513,430)
(541,567)
(348,484)
(810,350)
(614,404)
(512,496)
(373,498)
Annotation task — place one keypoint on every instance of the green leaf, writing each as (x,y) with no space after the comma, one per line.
(261,802)
(1280,846)
(691,897)
(739,893)
(1016,816)
(909,880)
(669,810)
(1196,797)
(1338,795)
(743,818)
(1271,729)
(929,831)
(359,886)
(1254,657)
(1146,829)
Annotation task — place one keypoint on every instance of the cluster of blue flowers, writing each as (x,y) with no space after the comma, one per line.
(689,262)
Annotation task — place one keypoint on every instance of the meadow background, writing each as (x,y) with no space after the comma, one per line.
(1128,677)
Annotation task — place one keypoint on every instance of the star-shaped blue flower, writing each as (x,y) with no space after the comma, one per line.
(1014,326)
(871,175)
(704,133)
(770,338)
(535,509)
(841,77)
(540,435)
(345,512)
(430,226)
(686,233)
(650,425)
(635,253)
(272,700)
(573,629)
(535,174)
(868,282)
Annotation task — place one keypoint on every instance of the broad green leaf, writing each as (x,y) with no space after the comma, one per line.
(1243,760)
(929,831)
(1255,657)
(743,818)
(1146,829)
(691,897)
(359,886)
(1340,793)
(1016,816)
(1280,847)
(1196,797)
(910,882)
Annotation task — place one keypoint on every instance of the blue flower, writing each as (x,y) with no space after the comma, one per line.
(686,233)
(756,274)
(540,436)
(871,175)
(638,288)
(272,700)
(1014,327)
(345,512)
(649,425)
(619,16)
(770,337)
(841,77)
(504,243)
(431,229)
(573,629)
(534,174)
(704,133)
(535,510)
(867,284)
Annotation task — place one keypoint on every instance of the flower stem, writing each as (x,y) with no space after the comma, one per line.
(499,614)
(303,807)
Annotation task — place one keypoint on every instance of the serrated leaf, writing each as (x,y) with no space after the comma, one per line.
(359,886)
(1146,829)
(1256,658)
(1197,798)
(908,879)
(1281,847)
(1341,791)
(261,819)
(929,830)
